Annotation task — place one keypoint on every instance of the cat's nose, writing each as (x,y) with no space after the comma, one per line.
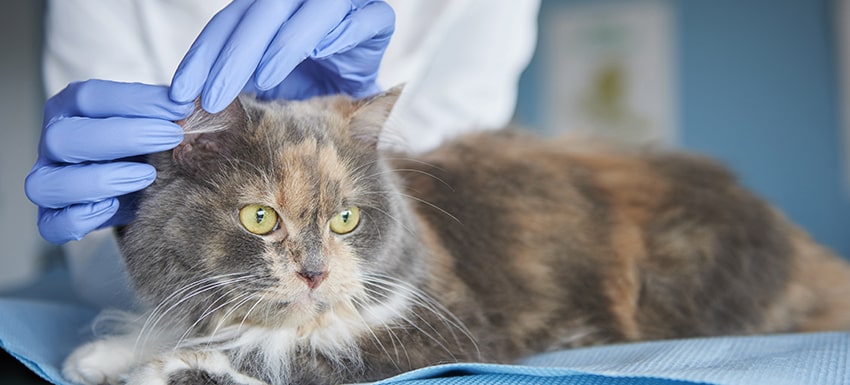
(312,278)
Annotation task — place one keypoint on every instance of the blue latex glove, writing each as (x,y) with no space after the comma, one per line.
(293,49)
(82,178)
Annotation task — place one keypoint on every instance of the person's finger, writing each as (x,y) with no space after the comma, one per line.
(77,140)
(195,67)
(55,187)
(103,98)
(298,38)
(74,222)
(370,26)
(243,50)
(127,206)
(300,84)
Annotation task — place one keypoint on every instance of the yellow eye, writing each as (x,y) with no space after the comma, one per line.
(258,219)
(346,220)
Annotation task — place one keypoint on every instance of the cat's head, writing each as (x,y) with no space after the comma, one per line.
(282,214)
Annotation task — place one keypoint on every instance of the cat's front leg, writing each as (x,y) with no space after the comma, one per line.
(188,367)
(105,361)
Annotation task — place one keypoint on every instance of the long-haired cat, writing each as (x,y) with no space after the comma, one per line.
(287,249)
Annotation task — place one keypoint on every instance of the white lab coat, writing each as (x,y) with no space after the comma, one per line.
(460,59)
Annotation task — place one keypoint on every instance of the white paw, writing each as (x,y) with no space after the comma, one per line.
(106,361)
(167,369)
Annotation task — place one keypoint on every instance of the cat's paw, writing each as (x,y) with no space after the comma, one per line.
(100,362)
(189,367)
(197,376)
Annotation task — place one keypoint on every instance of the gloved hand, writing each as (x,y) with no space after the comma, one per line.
(293,49)
(82,177)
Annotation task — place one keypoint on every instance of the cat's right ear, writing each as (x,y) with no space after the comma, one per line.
(207,136)
(371,114)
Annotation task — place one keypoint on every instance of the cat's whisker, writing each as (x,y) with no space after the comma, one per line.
(369,294)
(418,200)
(438,179)
(372,332)
(234,161)
(446,316)
(428,303)
(374,225)
(416,326)
(393,337)
(203,289)
(260,172)
(245,299)
(205,315)
(144,336)
(400,223)
(220,297)
(434,206)
(413,323)
(413,299)
(414,160)
(226,316)
(359,168)
(248,313)
(348,354)
(180,291)
(155,312)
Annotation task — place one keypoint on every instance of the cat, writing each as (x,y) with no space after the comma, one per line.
(287,248)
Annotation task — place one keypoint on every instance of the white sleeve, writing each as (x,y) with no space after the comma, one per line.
(461,61)
(121,40)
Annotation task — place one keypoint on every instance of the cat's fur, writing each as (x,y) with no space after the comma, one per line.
(491,248)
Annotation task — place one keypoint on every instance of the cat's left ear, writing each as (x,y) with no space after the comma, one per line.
(371,114)
(202,122)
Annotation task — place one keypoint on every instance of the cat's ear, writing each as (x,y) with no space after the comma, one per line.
(207,135)
(201,121)
(371,114)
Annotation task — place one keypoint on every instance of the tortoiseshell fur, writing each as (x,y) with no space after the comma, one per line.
(493,247)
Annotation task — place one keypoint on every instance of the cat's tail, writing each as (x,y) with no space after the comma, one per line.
(817,297)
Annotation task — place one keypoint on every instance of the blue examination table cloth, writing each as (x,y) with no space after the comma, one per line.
(41,325)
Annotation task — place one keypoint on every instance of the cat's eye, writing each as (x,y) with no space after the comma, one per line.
(258,219)
(346,220)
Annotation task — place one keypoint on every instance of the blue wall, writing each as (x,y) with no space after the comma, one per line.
(758,89)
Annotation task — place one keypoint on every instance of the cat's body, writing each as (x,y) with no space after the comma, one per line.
(491,248)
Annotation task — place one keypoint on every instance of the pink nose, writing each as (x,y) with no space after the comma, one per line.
(312,278)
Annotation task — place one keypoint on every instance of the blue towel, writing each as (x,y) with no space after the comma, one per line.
(41,330)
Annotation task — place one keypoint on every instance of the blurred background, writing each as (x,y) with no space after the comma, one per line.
(22,252)
(754,83)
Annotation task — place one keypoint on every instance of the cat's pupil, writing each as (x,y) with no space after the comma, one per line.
(261,214)
(346,215)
